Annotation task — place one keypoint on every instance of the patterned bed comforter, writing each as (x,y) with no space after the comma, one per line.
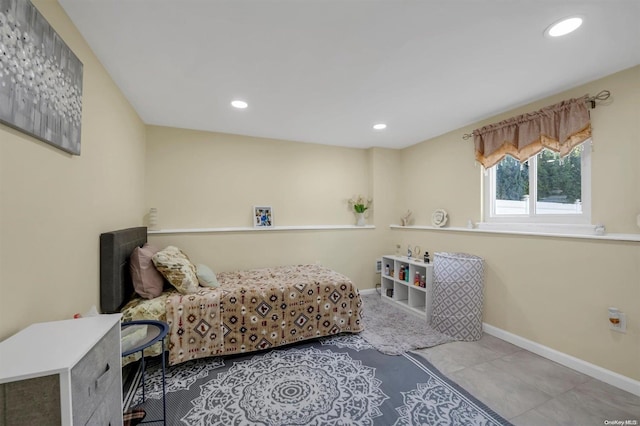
(254,310)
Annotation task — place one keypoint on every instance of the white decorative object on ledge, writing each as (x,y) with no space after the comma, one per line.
(153,218)
(439,218)
(406,219)
(360,205)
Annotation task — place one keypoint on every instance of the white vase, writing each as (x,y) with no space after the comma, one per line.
(153,219)
(361,221)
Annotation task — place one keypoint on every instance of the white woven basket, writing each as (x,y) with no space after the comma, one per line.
(458,284)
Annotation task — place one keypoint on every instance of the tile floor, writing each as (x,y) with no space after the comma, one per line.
(529,390)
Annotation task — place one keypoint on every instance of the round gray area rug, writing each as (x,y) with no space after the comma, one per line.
(393,331)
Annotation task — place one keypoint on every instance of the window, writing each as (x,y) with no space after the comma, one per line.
(544,189)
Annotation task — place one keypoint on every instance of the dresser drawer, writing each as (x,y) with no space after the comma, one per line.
(109,411)
(93,376)
(31,402)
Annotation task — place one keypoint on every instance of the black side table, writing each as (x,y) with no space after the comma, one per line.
(155,331)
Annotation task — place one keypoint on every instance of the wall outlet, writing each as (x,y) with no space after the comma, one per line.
(620,327)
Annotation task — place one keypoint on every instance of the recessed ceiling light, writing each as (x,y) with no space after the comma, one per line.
(379,126)
(239,104)
(564,26)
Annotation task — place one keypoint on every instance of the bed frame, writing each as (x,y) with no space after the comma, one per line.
(116,286)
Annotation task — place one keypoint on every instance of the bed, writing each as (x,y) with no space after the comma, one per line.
(251,310)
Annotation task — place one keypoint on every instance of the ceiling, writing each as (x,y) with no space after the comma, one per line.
(326,71)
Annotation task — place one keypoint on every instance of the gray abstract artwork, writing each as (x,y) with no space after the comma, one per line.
(40,78)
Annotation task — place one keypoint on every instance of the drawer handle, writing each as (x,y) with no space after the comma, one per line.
(100,381)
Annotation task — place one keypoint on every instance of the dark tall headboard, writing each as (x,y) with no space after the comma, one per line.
(115,279)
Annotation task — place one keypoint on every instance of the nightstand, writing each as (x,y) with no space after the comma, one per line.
(138,336)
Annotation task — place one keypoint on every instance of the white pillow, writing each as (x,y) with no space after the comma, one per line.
(206,277)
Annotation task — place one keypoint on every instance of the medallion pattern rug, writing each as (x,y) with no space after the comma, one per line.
(341,380)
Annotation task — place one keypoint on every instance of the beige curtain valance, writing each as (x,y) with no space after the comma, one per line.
(560,128)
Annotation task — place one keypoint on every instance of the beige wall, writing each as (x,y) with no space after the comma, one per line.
(54,206)
(204,180)
(549,290)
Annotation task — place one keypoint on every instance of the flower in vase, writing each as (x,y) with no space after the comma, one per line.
(360,204)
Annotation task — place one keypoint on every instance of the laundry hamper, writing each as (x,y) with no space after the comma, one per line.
(458,282)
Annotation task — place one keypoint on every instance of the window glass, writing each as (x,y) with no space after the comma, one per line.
(545,188)
(512,187)
(559,183)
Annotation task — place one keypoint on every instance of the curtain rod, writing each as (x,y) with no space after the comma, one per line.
(602,95)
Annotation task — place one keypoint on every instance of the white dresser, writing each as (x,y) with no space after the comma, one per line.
(63,373)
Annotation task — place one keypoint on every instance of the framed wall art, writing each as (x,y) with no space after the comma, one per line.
(40,78)
(262,216)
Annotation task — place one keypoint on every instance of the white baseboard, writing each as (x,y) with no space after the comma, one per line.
(368,291)
(614,379)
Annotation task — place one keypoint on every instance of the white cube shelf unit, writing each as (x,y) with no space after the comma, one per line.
(406,294)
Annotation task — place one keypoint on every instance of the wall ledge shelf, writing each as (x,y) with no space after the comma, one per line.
(257,229)
(605,237)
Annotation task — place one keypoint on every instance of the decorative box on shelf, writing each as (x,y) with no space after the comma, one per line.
(407,282)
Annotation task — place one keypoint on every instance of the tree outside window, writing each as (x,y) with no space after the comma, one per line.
(541,189)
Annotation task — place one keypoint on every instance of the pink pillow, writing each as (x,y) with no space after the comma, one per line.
(147,280)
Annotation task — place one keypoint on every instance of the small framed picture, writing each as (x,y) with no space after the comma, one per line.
(262,216)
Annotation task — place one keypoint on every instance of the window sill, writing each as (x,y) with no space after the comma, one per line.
(257,229)
(613,237)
